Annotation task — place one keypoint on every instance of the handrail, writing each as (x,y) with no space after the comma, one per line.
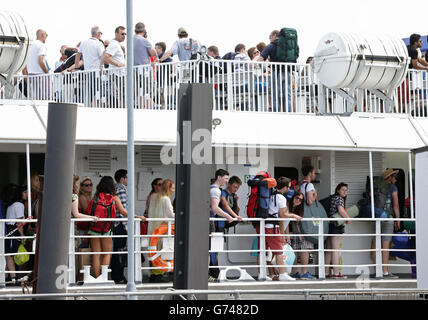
(237,86)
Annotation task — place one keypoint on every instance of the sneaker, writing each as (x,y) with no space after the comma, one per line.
(339,276)
(296,275)
(212,279)
(285,277)
(267,278)
(307,276)
(389,275)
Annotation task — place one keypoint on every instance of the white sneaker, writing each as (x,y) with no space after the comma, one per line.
(285,277)
(267,278)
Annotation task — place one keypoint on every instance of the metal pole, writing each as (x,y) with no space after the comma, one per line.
(371,184)
(55,228)
(412,208)
(130,106)
(379,272)
(262,253)
(28,179)
(321,260)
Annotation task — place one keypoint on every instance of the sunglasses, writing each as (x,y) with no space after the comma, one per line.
(123,34)
(159,184)
(87,185)
(300,199)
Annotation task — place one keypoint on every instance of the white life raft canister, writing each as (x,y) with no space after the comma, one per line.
(13,31)
(339,55)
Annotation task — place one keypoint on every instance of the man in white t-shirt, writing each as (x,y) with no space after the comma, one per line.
(92,51)
(184,47)
(306,187)
(222,177)
(278,209)
(114,55)
(38,65)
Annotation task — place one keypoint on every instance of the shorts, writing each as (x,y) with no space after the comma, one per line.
(273,243)
(334,229)
(94,233)
(12,245)
(386,227)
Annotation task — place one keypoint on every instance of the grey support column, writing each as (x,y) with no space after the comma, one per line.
(55,228)
(191,244)
(421,191)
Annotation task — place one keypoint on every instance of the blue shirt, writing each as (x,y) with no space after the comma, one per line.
(142,46)
(270,52)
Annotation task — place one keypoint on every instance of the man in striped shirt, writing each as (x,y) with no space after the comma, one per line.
(119,244)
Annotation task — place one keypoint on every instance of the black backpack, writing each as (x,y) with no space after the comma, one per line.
(228,56)
(326,203)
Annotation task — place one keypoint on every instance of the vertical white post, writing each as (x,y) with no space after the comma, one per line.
(130,150)
(262,251)
(321,260)
(137,245)
(72,256)
(371,184)
(28,179)
(412,207)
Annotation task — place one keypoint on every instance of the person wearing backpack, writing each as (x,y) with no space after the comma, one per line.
(337,205)
(102,206)
(278,209)
(184,47)
(282,49)
(386,198)
(221,180)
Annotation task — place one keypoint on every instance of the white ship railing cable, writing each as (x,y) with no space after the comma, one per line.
(237,86)
(321,265)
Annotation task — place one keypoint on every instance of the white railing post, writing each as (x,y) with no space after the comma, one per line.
(412,209)
(230,102)
(2,257)
(321,260)
(262,253)
(137,248)
(379,272)
(72,256)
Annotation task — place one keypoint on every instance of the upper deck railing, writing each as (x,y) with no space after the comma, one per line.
(237,86)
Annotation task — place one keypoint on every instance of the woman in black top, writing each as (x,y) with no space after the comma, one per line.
(333,242)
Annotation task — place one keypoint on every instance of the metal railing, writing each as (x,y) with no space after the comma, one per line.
(140,248)
(237,86)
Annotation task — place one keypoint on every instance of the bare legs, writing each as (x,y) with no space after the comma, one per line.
(98,260)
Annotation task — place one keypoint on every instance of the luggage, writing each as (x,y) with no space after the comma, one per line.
(287,48)
(353,212)
(104,208)
(315,210)
(262,188)
(401,241)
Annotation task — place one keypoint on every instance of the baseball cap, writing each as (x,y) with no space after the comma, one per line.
(181,31)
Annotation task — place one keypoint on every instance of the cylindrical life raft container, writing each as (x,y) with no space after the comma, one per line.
(344,60)
(154,256)
(13,33)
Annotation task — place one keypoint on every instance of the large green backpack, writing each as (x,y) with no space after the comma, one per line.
(380,188)
(287,49)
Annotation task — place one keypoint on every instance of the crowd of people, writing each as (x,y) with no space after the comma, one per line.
(289,201)
(110,200)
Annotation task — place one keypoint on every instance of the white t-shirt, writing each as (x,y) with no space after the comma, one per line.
(116,53)
(184,48)
(274,206)
(308,189)
(15,211)
(37,49)
(215,193)
(92,50)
